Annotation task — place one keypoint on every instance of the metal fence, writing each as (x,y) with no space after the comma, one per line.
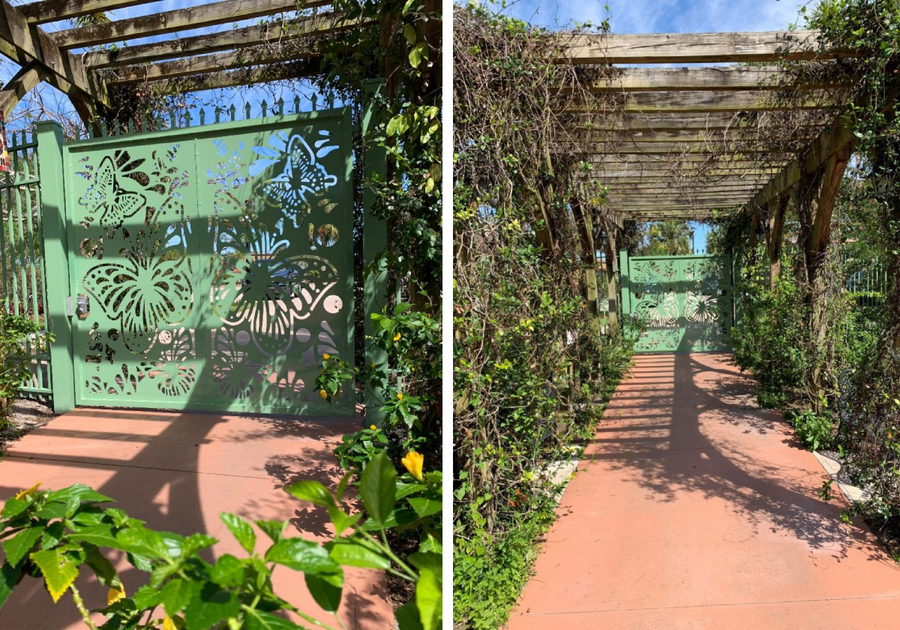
(868,284)
(21,249)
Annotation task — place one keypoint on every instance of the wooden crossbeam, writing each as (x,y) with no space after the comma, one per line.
(698,80)
(15,90)
(248,76)
(178,20)
(25,44)
(707,102)
(226,40)
(681,136)
(53,10)
(627,147)
(660,48)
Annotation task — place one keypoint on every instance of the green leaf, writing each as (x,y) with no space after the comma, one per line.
(418,54)
(13,507)
(408,617)
(378,488)
(100,535)
(17,547)
(9,578)
(103,568)
(425,507)
(59,572)
(143,542)
(428,589)
(228,571)
(326,589)
(302,555)
(311,491)
(79,491)
(259,620)
(394,125)
(342,520)
(176,594)
(358,553)
(210,605)
(409,32)
(273,529)
(241,529)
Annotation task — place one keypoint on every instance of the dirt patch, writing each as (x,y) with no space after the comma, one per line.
(26,416)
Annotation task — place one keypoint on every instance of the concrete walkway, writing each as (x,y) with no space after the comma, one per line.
(695,509)
(178,472)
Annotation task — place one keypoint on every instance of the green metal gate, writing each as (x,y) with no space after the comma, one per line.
(686,302)
(211,267)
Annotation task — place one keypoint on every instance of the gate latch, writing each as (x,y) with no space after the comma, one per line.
(69,310)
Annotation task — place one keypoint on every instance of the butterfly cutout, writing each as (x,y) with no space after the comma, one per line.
(302,175)
(149,289)
(116,203)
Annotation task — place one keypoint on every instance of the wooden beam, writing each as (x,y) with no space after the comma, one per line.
(178,20)
(243,37)
(652,121)
(828,142)
(768,46)
(628,147)
(588,261)
(682,136)
(25,44)
(778,212)
(707,102)
(53,10)
(232,78)
(693,79)
(15,90)
(831,181)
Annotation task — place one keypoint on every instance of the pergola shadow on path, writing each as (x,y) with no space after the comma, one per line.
(178,472)
(693,508)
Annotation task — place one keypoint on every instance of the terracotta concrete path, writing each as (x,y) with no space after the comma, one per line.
(178,472)
(694,509)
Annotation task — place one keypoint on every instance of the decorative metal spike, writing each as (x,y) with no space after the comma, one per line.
(330,100)
(173,120)
(233,111)
(313,100)
(280,106)
(296,103)
(202,116)
(216,112)
(265,107)
(247,111)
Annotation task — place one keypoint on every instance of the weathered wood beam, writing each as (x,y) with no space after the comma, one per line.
(682,136)
(178,20)
(53,10)
(249,76)
(585,229)
(16,88)
(768,46)
(652,121)
(828,142)
(697,80)
(626,147)
(25,44)
(778,212)
(707,102)
(243,37)
(650,187)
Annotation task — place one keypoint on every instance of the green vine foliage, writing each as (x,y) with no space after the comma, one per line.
(15,358)
(528,359)
(56,535)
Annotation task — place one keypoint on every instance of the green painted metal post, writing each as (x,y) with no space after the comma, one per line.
(56,261)
(374,242)
(625,289)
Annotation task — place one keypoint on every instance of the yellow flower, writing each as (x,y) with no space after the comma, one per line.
(323,394)
(373,427)
(27,493)
(115,594)
(168,624)
(397,337)
(400,396)
(413,462)
(326,356)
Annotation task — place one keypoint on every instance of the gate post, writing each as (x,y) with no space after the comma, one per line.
(56,262)
(374,238)
(625,289)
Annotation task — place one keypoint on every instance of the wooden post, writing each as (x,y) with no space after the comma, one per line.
(57,308)
(588,255)
(778,210)
(612,291)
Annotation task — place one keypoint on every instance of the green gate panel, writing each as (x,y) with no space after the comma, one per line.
(686,302)
(212,267)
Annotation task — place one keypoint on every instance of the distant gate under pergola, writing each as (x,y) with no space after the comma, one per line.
(690,142)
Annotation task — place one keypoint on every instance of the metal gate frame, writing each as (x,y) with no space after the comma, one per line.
(687,302)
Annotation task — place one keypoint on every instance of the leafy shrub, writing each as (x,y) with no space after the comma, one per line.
(53,536)
(816,431)
(15,359)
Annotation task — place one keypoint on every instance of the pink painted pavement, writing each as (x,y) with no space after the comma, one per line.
(694,509)
(178,472)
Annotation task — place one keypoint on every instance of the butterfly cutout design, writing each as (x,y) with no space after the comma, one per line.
(115,203)
(302,175)
(149,289)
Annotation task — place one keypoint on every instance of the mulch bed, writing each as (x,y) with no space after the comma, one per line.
(25,416)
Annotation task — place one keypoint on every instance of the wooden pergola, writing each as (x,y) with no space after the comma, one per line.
(239,56)
(686,142)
